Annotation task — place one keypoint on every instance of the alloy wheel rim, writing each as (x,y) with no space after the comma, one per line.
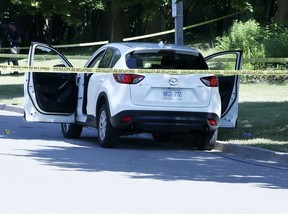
(66,126)
(102,125)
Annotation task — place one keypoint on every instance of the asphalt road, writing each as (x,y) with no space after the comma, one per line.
(41,172)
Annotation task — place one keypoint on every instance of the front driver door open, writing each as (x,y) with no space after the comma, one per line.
(49,97)
(228,85)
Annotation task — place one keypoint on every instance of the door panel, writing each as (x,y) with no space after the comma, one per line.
(49,97)
(55,92)
(228,85)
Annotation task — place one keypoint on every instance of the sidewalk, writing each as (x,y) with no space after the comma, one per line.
(241,150)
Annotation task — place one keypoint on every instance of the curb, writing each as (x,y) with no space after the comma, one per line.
(241,150)
(253,152)
(12,108)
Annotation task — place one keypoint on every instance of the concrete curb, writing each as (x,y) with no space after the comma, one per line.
(12,108)
(241,150)
(253,152)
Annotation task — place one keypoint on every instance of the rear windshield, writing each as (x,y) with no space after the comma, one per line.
(165,61)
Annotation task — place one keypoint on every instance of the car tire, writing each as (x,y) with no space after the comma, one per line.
(161,137)
(206,140)
(71,131)
(107,135)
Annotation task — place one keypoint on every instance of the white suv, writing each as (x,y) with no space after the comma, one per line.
(127,103)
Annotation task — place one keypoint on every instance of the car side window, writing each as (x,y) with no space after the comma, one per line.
(110,58)
(116,57)
(95,63)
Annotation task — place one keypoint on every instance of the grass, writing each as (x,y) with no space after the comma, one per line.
(263,119)
(11,89)
(263,112)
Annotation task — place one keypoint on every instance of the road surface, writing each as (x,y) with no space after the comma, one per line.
(41,172)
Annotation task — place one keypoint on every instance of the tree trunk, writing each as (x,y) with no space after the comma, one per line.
(272,7)
(115,15)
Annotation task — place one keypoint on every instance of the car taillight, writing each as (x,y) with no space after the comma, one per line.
(127,119)
(211,81)
(212,122)
(128,78)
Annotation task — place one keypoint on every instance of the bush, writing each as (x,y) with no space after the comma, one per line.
(276,41)
(254,40)
(246,36)
(257,42)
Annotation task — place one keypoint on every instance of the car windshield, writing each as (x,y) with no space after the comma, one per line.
(165,60)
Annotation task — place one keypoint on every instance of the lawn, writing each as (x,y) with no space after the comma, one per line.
(11,89)
(263,119)
(262,122)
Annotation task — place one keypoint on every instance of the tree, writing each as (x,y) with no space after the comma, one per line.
(264,10)
(53,20)
(115,17)
(69,21)
(116,10)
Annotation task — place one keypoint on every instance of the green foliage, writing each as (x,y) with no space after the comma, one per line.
(257,42)
(263,114)
(208,4)
(276,40)
(246,36)
(70,21)
(69,10)
(242,5)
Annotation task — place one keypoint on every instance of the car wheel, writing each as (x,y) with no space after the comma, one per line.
(206,140)
(71,130)
(107,135)
(161,137)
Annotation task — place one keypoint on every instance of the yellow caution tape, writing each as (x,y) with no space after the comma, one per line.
(86,57)
(138,71)
(18,56)
(25,56)
(140,37)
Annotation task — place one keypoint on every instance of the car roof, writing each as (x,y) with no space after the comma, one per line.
(127,46)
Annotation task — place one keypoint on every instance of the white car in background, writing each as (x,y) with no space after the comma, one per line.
(123,103)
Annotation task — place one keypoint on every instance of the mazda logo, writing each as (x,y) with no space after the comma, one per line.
(173,81)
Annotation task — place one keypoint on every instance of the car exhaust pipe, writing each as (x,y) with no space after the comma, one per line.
(134,125)
(205,128)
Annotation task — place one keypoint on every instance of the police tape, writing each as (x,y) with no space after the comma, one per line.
(25,56)
(86,57)
(139,37)
(184,28)
(12,68)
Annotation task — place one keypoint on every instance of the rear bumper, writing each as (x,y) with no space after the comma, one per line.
(148,121)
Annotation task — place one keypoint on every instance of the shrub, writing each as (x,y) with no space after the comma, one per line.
(276,41)
(257,42)
(254,40)
(246,36)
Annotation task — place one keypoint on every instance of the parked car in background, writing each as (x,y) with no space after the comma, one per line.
(125,103)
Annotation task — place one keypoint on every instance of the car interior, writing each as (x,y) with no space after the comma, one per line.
(56,92)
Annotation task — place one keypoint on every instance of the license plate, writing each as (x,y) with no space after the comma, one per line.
(170,94)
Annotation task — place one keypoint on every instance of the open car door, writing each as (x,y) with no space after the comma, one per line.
(49,97)
(228,85)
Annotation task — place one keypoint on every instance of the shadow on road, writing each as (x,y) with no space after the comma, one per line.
(136,158)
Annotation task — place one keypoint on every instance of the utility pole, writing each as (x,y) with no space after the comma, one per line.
(177,14)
